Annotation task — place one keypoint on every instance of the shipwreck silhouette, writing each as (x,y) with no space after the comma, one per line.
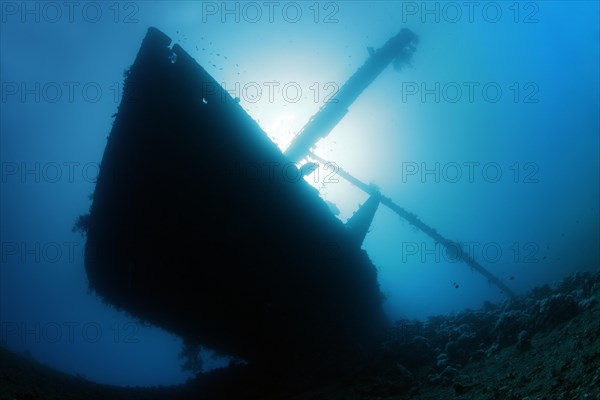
(201,225)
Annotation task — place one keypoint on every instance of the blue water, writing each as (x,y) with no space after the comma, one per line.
(491,136)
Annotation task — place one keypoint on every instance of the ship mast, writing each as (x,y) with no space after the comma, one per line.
(398,49)
(415,221)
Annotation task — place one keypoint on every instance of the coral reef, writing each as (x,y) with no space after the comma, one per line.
(534,358)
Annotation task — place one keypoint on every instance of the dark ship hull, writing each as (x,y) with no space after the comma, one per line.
(199,224)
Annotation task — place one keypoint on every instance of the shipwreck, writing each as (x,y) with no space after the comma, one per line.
(195,226)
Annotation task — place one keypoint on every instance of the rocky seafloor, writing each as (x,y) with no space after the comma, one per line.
(541,345)
(544,344)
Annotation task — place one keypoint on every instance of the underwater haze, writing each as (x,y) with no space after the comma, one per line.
(490,135)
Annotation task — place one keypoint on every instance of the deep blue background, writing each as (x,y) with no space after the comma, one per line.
(540,133)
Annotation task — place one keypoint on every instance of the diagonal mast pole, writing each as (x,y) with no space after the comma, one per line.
(416,222)
(398,49)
